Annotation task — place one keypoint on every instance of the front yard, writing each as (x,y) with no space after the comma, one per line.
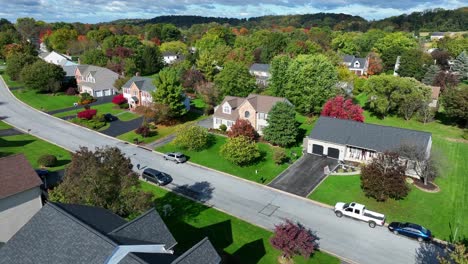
(236,241)
(45,102)
(122,114)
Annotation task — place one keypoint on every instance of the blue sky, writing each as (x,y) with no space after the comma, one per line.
(92,11)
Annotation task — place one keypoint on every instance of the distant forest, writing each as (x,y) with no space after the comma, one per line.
(428,20)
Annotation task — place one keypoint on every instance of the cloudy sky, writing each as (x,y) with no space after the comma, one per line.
(92,11)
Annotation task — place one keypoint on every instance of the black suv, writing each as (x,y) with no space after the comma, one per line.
(158,177)
(109,117)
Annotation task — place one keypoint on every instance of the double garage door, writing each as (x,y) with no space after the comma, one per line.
(332,152)
(102,93)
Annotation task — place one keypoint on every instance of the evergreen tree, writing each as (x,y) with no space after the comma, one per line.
(282,128)
(460,66)
(169,91)
(431,74)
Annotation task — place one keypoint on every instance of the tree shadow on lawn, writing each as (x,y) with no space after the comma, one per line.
(14,143)
(62,162)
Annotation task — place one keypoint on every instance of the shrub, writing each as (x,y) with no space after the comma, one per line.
(87,114)
(124,106)
(86,98)
(240,150)
(119,99)
(47,160)
(192,137)
(279,155)
(242,127)
(71,91)
(465,134)
(223,127)
(340,108)
(143,130)
(293,239)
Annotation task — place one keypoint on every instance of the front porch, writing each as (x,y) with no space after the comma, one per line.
(359,154)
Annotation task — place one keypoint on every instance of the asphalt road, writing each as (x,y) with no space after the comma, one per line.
(254,203)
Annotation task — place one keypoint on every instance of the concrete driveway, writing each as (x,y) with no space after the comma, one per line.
(206,123)
(304,175)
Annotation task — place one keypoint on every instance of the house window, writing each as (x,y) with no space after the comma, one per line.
(262,116)
(246,114)
(218,121)
(229,123)
(135,93)
(227,109)
(356,64)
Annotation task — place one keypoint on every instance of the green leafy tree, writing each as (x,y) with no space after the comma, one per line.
(94,57)
(367,40)
(235,80)
(60,39)
(393,45)
(169,91)
(7,37)
(206,63)
(274,44)
(414,63)
(174,46)
(282,127)
(240,151)
(16,62)
(431,74)
(310,83)
(99,35)
(454,46)
(192,137)
(150,60)
(103,178)
(43,76)
(455,102)
(278,68)
(346,43)
(170,32)
(27,27)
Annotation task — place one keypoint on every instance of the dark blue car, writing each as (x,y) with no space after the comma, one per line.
(410,230)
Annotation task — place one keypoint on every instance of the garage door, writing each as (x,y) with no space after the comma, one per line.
(107,92)
(334,153)
(99,93)
(317,149)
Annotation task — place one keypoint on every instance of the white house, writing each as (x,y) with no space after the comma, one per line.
(57,58)
(96,81)
(20,194)
(261,73)
(356,65)
(171,57)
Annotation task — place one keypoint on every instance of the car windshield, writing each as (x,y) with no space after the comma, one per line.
(180,156)
(346,205)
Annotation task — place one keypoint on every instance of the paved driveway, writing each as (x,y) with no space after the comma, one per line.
(206,123)
(304,175)
(119,127)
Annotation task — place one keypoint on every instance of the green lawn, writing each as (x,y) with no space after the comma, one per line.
(122,114)
(45,102)
(33,148)
(10,83)
(441,212)
(236,241)
(130,136)
(198,103)
(4,125)
(266,168)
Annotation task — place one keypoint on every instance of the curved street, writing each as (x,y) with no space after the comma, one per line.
(257,204)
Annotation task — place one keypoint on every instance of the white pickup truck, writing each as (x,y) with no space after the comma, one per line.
(358,211)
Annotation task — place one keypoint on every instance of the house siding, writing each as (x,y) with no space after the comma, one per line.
(326,145)
(247,107)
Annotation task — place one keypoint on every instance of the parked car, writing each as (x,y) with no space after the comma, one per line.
(410,230)
(109,117)
(177,157)
(158,177)
(359,211)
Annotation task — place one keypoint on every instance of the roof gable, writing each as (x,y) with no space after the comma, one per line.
(16,175)
(142,83)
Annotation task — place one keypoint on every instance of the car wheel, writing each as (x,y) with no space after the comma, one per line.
(338,214)
(165,158)
(395,232)
(372,224)
(177,162)
(420,239)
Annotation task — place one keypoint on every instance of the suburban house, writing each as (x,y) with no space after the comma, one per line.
(356,65)
(138,90)
(435,96)
(70,233)
(96,81)
(57,58)
(348,140)
(20,195)
(261,73)
(254,108)
(172,57)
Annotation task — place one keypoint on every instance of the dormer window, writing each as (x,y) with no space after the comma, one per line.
(356,64)
(226,109)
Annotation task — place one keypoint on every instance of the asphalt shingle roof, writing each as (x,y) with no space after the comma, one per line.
(16,175)
(368,136)
(104,77)
(260,67)
(143,83)
(261,104)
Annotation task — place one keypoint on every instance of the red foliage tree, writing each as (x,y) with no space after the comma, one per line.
(242,127)
(119,99)
(293,239)
(375,64)
(87,114)
(343,109)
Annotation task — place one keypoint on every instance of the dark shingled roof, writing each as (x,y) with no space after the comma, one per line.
(368,136)
(260,67)
(16,175)
(143,83)
(63,233)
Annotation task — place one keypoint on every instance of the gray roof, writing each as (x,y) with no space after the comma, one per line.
(367,136)
(69,70)
(61,233)
(104,77)
(260,67)
(351,59)
(438,34)
(143,83)
(202,250)
(348,58)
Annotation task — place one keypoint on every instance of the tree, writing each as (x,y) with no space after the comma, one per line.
(94,57)
(460,66)
(27,27)
(242,127)
(170,32)
(442,58)
(147,112)
(411,103)
(60,39)
(310,83)
(431,74)
(293,239)
(191,78)
(192,137)
(282,127)
(346,43)
(43,76)
(278,68)
(207,64)
(384,177)
(417,158)
(103,178)
(209,93)
(99,35)
(240,151)
(426,113)
(414,63)
(150,60)
(455,102)
(446,79)
(16,62)
(169,91)
(174,46)
(393,45)
(457,256)
(235,80)
(340,108)
(161,113)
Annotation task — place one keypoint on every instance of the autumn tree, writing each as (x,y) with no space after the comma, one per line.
(242,127)
(191,78)
(340,108)
(240,150)
(102,178)
(293,239)
(192,137)
(150,60)
(375,64)
(169,91)
(209,93)
(282,127)
(384,177)
(235,80)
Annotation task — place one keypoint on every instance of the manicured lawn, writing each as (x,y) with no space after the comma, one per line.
(45,102)
(4,125)
(130,136)
(442,212)
(33,148)
(122,114)
(198,103)
(10,83)
(266,168)
(236,241)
